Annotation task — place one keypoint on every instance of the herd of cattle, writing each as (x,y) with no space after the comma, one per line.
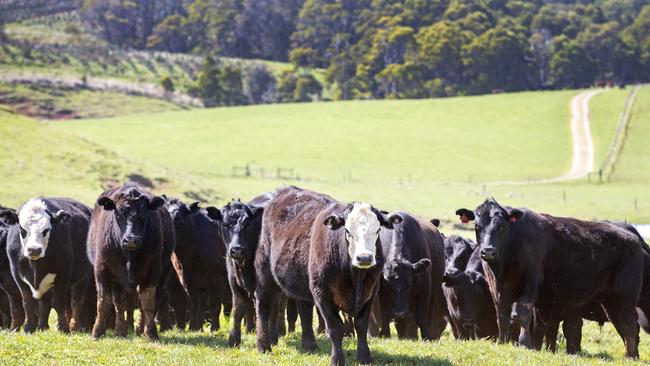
(272,259)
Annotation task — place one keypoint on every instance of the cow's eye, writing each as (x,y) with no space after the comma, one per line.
(23,232)
(45,232)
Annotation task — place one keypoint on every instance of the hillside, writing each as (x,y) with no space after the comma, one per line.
(37,159)
(414,155)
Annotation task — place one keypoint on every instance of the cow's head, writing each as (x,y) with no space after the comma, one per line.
(362,223)
(470,290)
(457,253)
(241,226)
(36,223)
(493,223)
(179,211)
(399,275)
(131,210)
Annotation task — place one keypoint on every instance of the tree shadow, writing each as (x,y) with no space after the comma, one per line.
(194,339)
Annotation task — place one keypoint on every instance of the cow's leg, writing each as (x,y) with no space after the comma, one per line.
(60,304)
(439,315)
(250,315)
(264,311)
(280,320)
(384,305)
(334,328)
(162,308)
(503,321)
(195,316)
(320,329)
(119,301)
(424,322)
(572,329)
(523,314)
(104,306)
(215,301)
(31,307)
(624,318)
(292,315)
(241,306)
(306,311)
(131,304)
(361,327)
(77,302)
(277,316)
(226,299)
(44,307)
(15,302)
(147,298)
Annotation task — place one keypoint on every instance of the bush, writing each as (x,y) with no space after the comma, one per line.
(167,84)
(260,85)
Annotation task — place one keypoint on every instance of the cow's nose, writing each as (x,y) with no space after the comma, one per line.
(129,242)
(400,314)
(34,251)
(365,259)
(236,252)
(488,253)
(452,272)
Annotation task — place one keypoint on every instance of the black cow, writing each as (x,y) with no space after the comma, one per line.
(468,298)
(241,227)
(46,252)
(7,283)
(201,252)
(558,265)
(411,278)
(130,242)
(316,249)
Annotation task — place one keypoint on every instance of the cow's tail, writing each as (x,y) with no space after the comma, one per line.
(178,268)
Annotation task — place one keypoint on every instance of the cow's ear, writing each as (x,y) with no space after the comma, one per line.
(155,203)
(435,222)
(164,196)
(257,211)
(421,265)
(106,203)
(60,217)
(515,215)
(388,220)
(465,215)
(194,207)
(214,213)
(10,216)
(334,222)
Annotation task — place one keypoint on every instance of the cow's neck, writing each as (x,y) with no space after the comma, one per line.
(245,274)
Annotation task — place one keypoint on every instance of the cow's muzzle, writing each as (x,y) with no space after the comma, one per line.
(488,254)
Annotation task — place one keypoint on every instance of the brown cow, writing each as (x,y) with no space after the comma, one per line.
(324,252)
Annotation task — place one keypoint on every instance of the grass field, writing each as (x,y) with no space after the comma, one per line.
(428,156)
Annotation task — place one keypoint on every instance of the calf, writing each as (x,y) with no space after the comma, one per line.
(7,283)
(46,252)
(412,275)
(241,226)
(468,299)
(201,252)
(558,265)
(318,250)
(130,241)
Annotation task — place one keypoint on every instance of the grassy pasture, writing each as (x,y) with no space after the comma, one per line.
(427,156)
(415,155)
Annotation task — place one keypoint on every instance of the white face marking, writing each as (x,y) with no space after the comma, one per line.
(46,284)
(362,229)
(35,228)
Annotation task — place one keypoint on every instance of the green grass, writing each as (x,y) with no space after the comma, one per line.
(194,348)
(414,155)
(43,102)
(604,109)
(427,156)
(37,159)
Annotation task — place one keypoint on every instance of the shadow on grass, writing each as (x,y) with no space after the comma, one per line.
(378,357)
(194,339)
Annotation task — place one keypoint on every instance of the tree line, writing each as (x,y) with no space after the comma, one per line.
(395,48)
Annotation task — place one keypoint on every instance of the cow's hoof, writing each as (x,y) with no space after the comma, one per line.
(233,341)
(309,346)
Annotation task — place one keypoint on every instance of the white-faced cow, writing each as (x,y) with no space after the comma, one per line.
(46,251)
(320,251)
